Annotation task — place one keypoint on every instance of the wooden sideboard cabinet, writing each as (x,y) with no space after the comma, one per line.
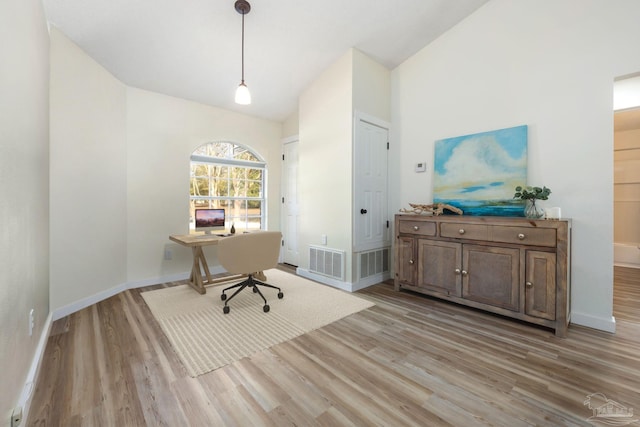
(515,267)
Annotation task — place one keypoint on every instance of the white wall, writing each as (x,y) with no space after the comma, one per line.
(24,193)
(371,87)
(162,132)
(88,176)
(371,96)
(126,152)
(325,161)
(290,125)
(353,83)
(549,65)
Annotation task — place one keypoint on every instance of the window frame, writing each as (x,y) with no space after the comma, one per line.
(228,201)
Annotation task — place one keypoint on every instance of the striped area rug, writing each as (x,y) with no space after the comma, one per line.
(206,339)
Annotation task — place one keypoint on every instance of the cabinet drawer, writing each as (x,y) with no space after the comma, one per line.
(464,231)
(422,228)
(524,235)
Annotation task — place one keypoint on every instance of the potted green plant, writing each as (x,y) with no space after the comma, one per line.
(530,194)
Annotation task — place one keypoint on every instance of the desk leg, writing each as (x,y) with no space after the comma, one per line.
(195,280)
(205,266)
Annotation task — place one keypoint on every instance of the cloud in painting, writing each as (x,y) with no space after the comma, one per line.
(479,168)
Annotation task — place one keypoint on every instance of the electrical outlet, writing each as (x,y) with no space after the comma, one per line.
(16,416)
(168,255)
(323,239)
(32,321)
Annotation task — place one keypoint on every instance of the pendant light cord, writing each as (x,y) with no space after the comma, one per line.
(243,97)
(242,47)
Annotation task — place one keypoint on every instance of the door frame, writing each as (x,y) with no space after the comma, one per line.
(375,121)
(283,212)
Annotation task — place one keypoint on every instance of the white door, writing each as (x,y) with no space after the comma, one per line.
(371,221)
(290,203)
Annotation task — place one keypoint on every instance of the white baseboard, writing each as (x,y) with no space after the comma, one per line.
(345,286)
(88,301)
(600,323)
(626,255)
(27,392)
(170,278)
(625,264)
(101,296)
(157,280)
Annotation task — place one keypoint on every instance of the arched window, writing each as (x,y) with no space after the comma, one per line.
(230,176)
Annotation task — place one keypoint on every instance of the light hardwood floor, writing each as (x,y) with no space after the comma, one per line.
(407,361)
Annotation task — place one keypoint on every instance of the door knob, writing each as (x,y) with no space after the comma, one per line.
(363,211)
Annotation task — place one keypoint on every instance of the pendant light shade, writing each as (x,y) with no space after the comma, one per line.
(243,96)
(242,93)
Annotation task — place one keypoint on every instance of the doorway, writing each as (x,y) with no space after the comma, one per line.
(626,198)
(626,175)
(370,216)
(290,205)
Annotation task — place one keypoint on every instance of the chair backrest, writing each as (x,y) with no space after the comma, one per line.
(250,252)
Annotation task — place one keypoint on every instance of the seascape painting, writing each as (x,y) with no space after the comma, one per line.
(479,173)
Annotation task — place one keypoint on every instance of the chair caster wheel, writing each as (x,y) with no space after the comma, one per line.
(265,308)
(255,290)
(226,309)
(280,295)
(223,297)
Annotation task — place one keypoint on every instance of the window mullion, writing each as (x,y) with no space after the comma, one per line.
(231,162)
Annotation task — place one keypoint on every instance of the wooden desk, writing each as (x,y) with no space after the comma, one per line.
(196,242)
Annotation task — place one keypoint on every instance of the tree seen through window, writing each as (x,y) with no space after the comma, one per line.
(229,176)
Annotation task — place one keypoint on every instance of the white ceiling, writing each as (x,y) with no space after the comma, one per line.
(191,48)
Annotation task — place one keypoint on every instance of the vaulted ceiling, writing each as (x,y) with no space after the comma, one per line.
(191,48)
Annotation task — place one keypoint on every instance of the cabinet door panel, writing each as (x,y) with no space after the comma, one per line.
(540,285)
(437,266)
(491,275)
(406,260)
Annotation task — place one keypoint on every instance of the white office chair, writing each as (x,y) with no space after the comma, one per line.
(249,254)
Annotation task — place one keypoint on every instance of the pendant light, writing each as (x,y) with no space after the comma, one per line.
(242,93)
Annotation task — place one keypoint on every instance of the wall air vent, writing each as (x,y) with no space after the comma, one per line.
(374,262)
(325,261)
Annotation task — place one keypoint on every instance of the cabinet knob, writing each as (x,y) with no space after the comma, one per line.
(464,272)
(528,284)
(410,261)
(521,236)
(457,271)
(461,231)
(416,228)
